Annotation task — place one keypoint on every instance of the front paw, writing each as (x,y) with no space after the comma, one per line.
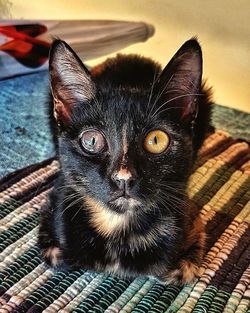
(52,256)
(186,273)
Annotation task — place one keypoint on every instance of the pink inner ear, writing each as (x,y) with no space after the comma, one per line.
(190,110)
(61,112)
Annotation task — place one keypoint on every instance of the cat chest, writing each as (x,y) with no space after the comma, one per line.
(137,255)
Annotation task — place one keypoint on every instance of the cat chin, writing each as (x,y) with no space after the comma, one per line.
(122,204)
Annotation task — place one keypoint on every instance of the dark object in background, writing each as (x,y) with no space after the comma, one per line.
(24,45)
(20,130)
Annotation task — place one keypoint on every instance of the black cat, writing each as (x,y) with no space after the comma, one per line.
(128,135)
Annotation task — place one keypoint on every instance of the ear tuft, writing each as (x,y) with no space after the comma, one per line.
(70,81)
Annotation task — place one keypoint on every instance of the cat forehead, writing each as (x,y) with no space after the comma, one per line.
(121,112)
(126,106)
(125,99)
(125,113)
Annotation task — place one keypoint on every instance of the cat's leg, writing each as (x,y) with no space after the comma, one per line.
(50,250)
(188,266)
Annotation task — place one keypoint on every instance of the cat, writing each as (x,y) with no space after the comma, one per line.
(128,136)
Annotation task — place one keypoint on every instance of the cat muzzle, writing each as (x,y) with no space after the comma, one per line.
(122,204)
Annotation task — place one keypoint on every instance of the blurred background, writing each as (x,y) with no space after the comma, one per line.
(222,27)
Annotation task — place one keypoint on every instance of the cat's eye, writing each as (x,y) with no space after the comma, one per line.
(156,141)
(93,141)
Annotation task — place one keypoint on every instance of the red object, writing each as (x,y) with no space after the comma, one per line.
(24,47)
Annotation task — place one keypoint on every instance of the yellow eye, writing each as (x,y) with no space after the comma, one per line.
(156,141)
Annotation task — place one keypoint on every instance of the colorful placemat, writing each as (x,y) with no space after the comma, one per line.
(220,185)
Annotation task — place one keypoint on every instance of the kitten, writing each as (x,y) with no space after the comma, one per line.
(128,135)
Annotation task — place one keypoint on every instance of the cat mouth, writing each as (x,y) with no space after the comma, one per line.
(124,203)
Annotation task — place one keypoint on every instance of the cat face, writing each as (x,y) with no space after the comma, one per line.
(127,146)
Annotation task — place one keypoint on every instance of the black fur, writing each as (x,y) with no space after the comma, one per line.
(127,95)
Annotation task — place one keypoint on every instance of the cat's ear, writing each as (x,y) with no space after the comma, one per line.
(179,84)
(70,81)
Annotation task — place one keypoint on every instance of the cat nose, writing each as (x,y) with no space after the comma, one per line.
(120,183)
(123,179)
(123,184)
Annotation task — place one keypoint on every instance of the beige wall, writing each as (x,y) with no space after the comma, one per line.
(222,26)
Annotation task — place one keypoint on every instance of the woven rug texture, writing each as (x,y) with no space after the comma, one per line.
(219,185)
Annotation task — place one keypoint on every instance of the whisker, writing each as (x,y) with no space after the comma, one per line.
(172,99)
(160,94)
(172,206)
(68,198)
(70,205)
(151,91)
(76,213)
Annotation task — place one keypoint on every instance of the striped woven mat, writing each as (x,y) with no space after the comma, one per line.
(219,185)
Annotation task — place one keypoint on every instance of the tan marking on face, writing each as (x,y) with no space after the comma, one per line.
(124,142)
(124,173)
(105,221)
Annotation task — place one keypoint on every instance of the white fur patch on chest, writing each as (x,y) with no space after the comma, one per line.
(105,221)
